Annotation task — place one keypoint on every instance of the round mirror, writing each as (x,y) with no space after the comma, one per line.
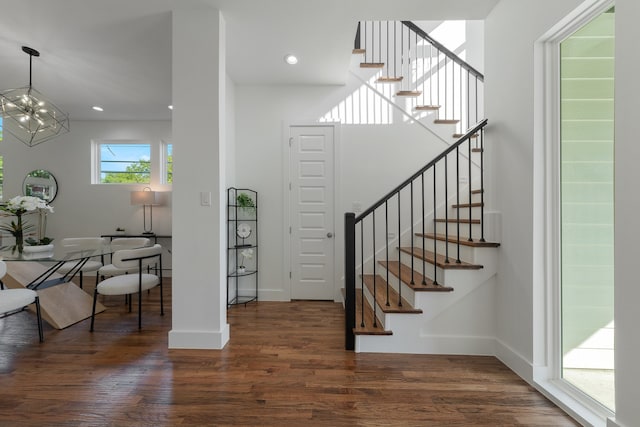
(40,183)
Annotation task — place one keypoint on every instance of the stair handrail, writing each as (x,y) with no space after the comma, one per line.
(472,131)
(451,55)
(351,221)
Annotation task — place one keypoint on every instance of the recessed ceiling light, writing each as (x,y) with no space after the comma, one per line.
(97,108)
(291,59)
(170,107)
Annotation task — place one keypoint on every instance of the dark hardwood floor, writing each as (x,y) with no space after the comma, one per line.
(284,366)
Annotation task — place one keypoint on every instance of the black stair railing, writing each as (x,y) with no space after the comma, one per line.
(437,78)
(413,197)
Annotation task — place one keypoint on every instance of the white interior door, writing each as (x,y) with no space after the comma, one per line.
(311,212)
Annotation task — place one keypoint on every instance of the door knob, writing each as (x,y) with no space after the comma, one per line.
(329,234)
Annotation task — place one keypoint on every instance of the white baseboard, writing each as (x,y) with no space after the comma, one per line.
(426,344)
(514,361)
(201,340)
(273,295)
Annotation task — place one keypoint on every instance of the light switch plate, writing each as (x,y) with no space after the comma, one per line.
(205,198)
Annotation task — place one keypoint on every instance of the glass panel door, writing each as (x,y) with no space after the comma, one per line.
(587,207)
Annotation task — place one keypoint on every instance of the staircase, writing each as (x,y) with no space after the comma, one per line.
(417,260)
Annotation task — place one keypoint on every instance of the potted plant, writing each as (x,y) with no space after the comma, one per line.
(245,203)
(41,245)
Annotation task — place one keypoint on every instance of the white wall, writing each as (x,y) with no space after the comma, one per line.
(392,153)
(511,30)
(82,208)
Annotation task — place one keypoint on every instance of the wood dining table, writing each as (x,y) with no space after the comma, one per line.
(62,302)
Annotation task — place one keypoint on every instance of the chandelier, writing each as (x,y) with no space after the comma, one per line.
(28,115)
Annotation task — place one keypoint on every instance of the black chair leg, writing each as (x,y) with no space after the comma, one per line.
(139,310)
(81,279)
(39,319)
(93,311)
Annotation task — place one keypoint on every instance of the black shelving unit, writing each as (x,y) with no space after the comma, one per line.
(242,238)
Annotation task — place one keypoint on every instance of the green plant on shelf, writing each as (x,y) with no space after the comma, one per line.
(245,202)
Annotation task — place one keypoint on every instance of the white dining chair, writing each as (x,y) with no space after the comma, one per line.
(79,244)
(110,270)
(129,284)
(13,301)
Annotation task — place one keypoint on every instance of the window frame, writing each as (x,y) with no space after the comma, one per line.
(96,169)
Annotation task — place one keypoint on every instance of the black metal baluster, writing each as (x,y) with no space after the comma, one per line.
(438,71)
(446,88)
(430,74)
(387,63)
(362,272)
(435,252)
(424,246)
(395,53)
(380,41)
(458,201)
(399,260)
(453,91)
(412,239)
(446,209)
(470,239)
(366,48)
(356,42)
(375,318)
(482,185)
(386,233)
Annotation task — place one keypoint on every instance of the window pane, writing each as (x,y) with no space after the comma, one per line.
(587,208)
(125,163)
(169,165)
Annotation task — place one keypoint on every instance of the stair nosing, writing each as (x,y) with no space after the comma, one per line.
(453,239)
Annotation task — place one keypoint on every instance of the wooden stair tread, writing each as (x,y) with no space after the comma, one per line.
(381,296)
(358,51)
(403,272)
(446,121)
(389,79)
(477,150)
(426,107)
(478,191)
(460,135)
(464,242)
(368,328)
(466,205)
(461,220)
(372,65)
(440,259)
(408,93)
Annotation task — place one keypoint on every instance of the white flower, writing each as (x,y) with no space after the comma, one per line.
(21,204)
(247,253)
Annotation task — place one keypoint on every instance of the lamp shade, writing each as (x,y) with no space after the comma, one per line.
(143,197)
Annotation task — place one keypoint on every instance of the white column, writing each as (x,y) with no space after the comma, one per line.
(199,241)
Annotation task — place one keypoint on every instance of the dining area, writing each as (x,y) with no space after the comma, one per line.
(63,281)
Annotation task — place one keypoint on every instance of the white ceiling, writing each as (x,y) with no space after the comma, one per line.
(117,53)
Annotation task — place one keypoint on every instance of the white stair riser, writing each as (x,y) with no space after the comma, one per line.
(476,230)
(467,253)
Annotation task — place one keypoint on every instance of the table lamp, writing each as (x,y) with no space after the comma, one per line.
(146,197)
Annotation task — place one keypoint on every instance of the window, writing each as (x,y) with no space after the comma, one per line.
(587,207)
(123,163)
(168,164)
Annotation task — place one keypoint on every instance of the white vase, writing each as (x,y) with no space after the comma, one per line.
(39,248)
